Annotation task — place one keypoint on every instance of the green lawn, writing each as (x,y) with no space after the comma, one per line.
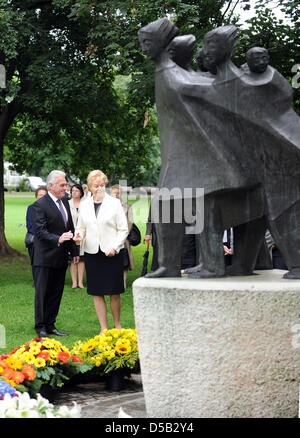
(77,315)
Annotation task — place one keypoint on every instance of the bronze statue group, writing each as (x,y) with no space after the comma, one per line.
(233,132)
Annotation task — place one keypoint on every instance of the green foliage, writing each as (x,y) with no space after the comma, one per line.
(69,116)
(86,89)
(280,38)
(47,374)
(124,361)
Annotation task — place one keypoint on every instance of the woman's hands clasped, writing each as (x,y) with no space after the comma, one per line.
(77,239)
(111,252)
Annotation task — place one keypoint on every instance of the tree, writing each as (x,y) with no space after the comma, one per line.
(39,40)
(65,105)
(61,60)
(59,108)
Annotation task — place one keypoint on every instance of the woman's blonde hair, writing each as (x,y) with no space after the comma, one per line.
(116,186)
(94,174)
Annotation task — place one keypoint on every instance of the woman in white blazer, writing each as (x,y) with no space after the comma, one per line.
(103,226)
(77,270)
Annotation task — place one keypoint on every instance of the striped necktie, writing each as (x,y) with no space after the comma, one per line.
(63,213)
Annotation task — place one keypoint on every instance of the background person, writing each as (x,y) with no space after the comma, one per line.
(41,191)
(53,233)
(103,226)
(152,237)
(68,192)
(86,191)
(116,192)
(77,269)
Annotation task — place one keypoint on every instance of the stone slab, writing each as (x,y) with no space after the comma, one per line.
(97,402)
(219,348)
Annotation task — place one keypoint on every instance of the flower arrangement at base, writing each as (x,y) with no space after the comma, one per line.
(16,372)
(113,350)
(53,363)
(22,406)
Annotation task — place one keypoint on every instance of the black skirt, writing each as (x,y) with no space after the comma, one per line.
(104,275)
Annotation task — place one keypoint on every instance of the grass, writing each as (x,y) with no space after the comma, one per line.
(77,315)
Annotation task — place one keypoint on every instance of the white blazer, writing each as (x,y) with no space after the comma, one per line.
(75,214)
(108,230)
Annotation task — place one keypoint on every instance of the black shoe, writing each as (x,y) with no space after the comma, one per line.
(56,332)
(42,333)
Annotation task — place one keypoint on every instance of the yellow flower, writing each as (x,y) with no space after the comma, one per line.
(111,355)
(47,343)
(1,369)
(40,362)
(89,345)
(28,357)
(14,363)
(11,382)
(123,348)
(53,354)
(34,349)
(115,333)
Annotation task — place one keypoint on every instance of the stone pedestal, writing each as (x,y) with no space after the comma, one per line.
(219,347)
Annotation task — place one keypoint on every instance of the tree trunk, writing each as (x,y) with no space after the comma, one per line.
(6,119)
(5,249)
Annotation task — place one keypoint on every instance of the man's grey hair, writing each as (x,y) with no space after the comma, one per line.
(53,177)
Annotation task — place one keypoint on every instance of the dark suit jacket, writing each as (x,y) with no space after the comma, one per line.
(48,227)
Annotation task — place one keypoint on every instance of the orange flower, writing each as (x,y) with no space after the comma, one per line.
(29,372)
(63,356)
(18,377)
(45,355)
(8,373)
(3,364)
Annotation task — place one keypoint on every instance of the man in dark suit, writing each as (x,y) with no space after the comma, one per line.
(53,246)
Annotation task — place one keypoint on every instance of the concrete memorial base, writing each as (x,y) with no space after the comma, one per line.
(215,348)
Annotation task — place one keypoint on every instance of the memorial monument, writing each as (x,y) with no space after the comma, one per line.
(236,136)
(220,344)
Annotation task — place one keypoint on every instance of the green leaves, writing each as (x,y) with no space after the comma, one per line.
(45,373)
(62,65)
(55,377)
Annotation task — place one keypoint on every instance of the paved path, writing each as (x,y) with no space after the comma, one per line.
(97,402)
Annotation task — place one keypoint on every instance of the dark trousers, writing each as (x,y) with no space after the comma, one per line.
(31,254)
(49,286)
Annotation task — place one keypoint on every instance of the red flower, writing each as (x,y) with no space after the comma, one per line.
(76,359)
(45,355)
(63,356)
(4,357)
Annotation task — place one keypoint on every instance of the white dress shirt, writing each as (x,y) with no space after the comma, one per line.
(55,199)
